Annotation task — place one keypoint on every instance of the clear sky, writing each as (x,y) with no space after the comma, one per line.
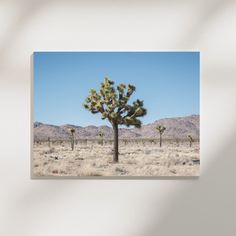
(168,82)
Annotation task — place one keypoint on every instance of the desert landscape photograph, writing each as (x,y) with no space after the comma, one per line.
(115,114)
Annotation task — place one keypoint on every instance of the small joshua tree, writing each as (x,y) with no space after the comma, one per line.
(49,142)
(177,141)
(125,142)
(101,134)
(72,131)
(161,129)
(190,138)
(113,105)
(152,141)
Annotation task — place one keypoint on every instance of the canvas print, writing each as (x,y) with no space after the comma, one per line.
(115,114)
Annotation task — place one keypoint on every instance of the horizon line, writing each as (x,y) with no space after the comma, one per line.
(121,125)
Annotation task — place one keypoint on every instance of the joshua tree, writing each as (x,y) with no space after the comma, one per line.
(101,134)
(177,141)
(190,138)
(161,130)
(152,141)
(125,142)
(49,142)
(113,105)
(72,131)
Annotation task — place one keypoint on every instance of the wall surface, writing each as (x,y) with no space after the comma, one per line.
(165,207)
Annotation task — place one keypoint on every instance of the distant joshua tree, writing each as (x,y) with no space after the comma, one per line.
(113,105)
(161,129)
(72,131)
(152,141)
(177,141)
(101,134)
(49,142)
(190,138)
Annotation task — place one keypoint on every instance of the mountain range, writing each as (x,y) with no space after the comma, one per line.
(177,127)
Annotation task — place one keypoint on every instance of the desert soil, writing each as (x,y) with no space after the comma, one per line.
(135,159)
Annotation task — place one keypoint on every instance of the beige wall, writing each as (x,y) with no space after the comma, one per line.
(205,206)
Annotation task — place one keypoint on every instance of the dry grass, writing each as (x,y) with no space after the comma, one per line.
(134,160)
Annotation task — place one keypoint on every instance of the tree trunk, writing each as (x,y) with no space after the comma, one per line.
(160,140)
(116,135)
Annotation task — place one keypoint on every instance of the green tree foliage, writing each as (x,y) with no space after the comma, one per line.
(113,105)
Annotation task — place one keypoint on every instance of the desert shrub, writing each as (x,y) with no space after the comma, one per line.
(50,151)
(131,162)
(147,152)
(90,173)
(118,169)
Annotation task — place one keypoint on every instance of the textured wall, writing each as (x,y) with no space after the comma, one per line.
(204,206)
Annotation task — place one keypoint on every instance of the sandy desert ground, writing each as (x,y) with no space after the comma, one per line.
(135,159)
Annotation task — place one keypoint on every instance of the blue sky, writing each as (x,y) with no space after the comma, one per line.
(168,82)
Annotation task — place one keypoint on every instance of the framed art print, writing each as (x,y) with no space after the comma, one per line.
(116,114)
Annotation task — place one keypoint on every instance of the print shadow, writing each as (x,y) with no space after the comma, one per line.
(207,204)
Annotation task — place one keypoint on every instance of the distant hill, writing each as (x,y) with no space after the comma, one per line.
(177,127)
